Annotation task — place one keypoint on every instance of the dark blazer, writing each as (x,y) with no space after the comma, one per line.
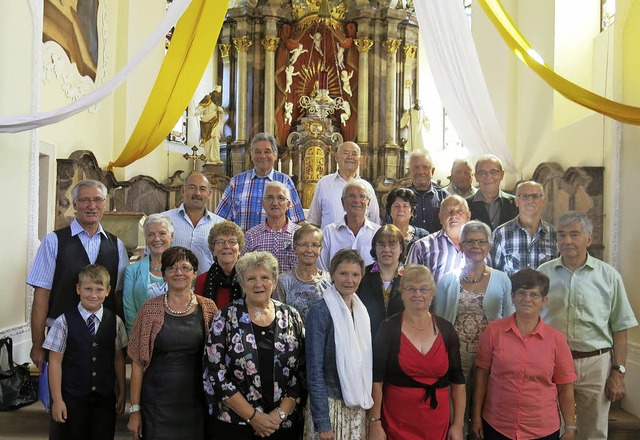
(479,211)
(370,293)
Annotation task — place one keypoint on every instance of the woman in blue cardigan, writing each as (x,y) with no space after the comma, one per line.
(473,297)
(143,279)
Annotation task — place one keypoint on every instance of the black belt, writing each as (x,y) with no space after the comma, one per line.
(588,354)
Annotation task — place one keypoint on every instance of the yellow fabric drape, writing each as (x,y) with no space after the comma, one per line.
(194,38)
(523,50)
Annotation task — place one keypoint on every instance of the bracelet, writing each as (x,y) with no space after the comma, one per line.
(374,419)
(252,416)
(571,427)
(134,409)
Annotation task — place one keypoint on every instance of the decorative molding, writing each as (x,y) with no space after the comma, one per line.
(410,51)
(242,44)
(391,45)
(15,331)
(55,62)
(270,43)
(363,44)
(225,49)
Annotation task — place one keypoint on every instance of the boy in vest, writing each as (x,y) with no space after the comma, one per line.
(87,363)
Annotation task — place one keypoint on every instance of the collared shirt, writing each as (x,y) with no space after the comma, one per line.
(44,264)
(56,339)
(437,252)
(279,243)
(192,237)
(521,399)
(494,217)
(513,249)
(326,205)
(428,207)
(241,201)
(454,190)
(338,236)
(588,304)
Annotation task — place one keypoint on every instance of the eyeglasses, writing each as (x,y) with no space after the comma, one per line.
(533,295)
(183,269)
(422,290)
(483,173)
(231,242)
(271,198)
(534,196)
(474,242)
(391,245)
(356,196)
(87,200)
(314,246)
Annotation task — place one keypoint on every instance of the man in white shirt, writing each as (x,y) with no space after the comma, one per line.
(353,230)
(326,207)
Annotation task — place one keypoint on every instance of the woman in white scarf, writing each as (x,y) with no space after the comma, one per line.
(339,356)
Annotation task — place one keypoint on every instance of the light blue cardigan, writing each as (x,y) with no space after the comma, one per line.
(497,299)
(136,277)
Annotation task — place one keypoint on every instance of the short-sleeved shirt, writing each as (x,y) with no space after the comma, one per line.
(326,205)
(521,399)
(588,304)
(437,252)
(513,249)
(279,243)
(241,201)
(192,237)
(56,339)
(338,236)
(44,264)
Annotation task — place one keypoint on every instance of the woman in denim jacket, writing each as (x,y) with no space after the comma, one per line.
(339,356)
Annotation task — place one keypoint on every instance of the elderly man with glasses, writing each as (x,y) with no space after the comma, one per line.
(526,241)
(490,204)
(61,256)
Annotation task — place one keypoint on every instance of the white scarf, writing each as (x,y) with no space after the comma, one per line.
(354,356)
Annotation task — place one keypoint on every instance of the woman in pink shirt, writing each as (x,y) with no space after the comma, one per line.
(524,368)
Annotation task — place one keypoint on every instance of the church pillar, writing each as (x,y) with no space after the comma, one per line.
(410,52)
(214,66)
(225,50)
(270,44)
(391,46)
(242,46)
(363,45)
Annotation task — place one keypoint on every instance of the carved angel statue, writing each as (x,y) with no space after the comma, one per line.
(290,74)
(288,110)
(416,122)
(317,42)
(211,118)
(344,117)
(340,56)
(295,53)
(345,77)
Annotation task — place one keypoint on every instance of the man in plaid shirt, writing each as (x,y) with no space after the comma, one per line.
(242,200)
(526,241)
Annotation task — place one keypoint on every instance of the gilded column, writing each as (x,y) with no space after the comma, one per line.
(270,44)
(363,45)
(225,50)
(391,46)
(242,46)
(410,52)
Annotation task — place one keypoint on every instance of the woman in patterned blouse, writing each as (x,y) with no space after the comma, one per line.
(254,359)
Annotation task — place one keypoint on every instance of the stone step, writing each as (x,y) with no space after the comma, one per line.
(623,425)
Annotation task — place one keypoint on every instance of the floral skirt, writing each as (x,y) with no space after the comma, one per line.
(348,423)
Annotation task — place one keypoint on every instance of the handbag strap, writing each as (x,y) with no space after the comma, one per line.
(8,343)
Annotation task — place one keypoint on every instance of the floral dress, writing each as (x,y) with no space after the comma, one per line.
(231,362)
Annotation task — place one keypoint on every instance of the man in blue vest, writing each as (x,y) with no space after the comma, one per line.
(61,256)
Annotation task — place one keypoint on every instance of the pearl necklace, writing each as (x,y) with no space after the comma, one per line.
(475,280)
(179,312)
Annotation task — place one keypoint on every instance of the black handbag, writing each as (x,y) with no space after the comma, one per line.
(16,388)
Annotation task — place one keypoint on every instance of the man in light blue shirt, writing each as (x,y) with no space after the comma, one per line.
(589,304)
(192,220)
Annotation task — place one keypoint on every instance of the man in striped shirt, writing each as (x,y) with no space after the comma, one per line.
(241,202)
(440,251)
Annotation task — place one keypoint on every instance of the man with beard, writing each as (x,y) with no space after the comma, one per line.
(192,220)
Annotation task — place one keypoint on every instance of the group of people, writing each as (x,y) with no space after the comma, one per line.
(464,314)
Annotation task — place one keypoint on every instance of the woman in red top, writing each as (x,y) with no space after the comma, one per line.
(416,361)
(524,368)
(220,283)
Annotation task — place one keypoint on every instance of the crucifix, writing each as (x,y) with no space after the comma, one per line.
(195,157)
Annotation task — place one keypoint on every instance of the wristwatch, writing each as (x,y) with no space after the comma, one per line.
(621,368)
(134,409)
(281,414)
(571,427)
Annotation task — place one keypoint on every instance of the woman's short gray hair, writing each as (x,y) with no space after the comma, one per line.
(257,260)
(89,183)
(475,226)
(576,217)
(158,219)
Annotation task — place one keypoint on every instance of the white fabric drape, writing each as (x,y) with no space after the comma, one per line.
(15,124)
(458,76)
